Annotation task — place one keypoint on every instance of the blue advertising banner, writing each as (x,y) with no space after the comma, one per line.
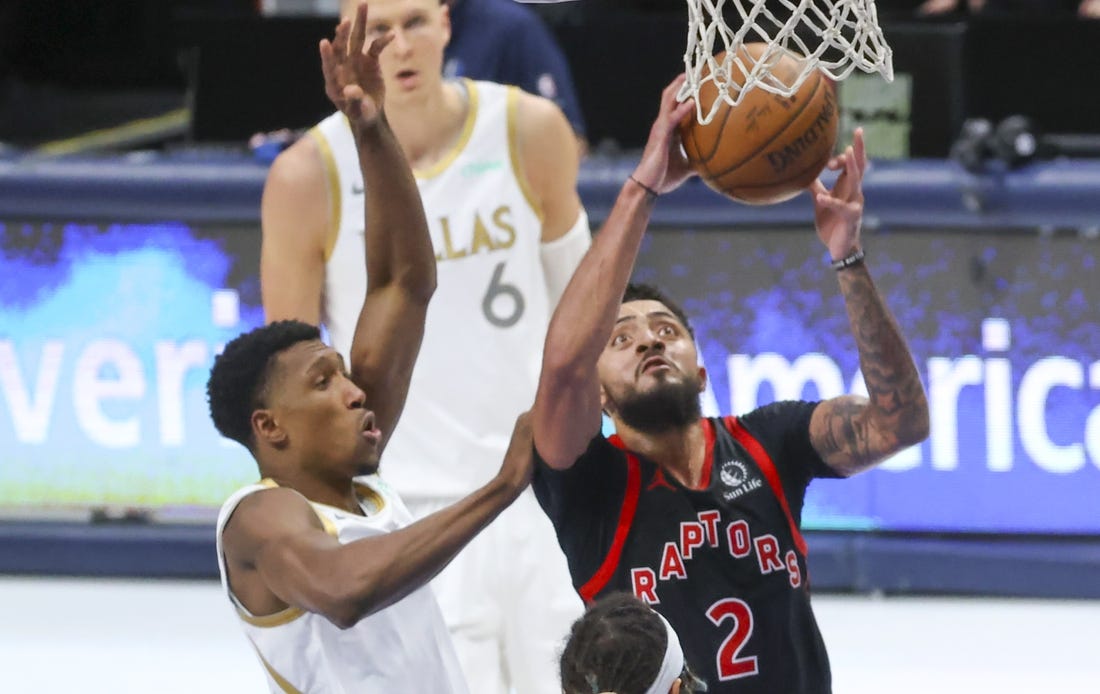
(1004,327)
(107,333)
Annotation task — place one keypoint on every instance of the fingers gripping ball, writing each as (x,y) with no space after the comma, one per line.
(768,148)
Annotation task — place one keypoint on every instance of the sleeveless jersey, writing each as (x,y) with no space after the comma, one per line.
(479,362)
(725,563)
(404,647)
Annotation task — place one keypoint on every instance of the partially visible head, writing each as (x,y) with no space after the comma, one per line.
(621,645)
(285,395)
(413,63)
(649,371)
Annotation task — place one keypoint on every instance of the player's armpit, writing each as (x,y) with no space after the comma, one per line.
(549,161)
(286,555)
(295,218)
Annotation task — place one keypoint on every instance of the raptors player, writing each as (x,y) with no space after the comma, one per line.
(496,169)
(700,517)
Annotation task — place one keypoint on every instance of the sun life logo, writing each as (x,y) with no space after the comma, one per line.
(733,473)
(736,477)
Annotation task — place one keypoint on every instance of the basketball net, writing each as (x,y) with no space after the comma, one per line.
(845,35)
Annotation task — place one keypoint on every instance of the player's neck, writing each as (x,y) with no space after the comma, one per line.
(335,492)
(679,452)
(429,124)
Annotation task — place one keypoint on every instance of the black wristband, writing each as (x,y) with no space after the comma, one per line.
(854,259)
(653,195)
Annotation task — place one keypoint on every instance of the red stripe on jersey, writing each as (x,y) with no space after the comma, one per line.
(764,462)
(708,458)
(626,517)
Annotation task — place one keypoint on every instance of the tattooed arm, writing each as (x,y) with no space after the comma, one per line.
(853,433)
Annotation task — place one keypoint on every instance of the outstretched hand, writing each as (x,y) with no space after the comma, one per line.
(838,213)
(664,166)
(353,79)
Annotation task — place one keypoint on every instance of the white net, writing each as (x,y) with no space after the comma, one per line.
(835,36)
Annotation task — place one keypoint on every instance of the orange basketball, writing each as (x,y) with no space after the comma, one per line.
(768,148)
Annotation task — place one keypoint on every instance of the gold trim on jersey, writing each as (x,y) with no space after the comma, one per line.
(326,522)
(290,613)
(268,621)
(513,151)
(370,495)
(332,176)
(278,679)
(467,130)
(366,493)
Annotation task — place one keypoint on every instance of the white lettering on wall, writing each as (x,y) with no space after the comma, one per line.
(1035,387)
(996,337)
(788,380)
(30,415)
(946,377)
(173,363)
(91,387)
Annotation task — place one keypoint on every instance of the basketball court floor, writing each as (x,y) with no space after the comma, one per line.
(91,636)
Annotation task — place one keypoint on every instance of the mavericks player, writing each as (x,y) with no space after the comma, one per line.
(496,169)
(327,573)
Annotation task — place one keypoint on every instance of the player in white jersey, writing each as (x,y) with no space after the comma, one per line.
(496,169)
(321,560)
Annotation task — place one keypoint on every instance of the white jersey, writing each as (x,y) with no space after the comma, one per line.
(402,648)
(479,364)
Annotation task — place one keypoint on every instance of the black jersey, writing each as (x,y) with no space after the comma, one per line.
(725,563)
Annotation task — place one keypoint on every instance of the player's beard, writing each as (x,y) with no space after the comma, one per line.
(667,406)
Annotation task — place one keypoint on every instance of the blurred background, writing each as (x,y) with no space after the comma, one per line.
(135,136)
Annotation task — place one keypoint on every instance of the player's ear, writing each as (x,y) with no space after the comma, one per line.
(266,428)
(603,401)
(702,378)
(445,19)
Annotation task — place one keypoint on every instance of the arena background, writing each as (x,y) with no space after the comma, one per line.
(125,266)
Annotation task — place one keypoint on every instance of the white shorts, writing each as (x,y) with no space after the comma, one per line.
(508,601)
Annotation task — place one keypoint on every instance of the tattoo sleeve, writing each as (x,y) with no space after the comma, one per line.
(850,433)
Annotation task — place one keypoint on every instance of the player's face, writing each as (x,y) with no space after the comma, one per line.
(321,413)
(414,60)
(649,357)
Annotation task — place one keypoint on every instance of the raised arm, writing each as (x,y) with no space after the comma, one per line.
(279,554)
(549,165)
(399,257)
(566,414)
(853,433)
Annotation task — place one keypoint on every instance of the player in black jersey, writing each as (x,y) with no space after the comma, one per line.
(700,517)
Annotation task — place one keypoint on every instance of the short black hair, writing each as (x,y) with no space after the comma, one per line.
(648,292)
(240,374)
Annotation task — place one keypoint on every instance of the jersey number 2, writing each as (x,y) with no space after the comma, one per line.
(731,665)
(508,294)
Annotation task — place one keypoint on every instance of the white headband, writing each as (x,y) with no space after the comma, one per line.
(672,665)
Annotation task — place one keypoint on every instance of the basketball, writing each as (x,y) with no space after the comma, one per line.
(768,148)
